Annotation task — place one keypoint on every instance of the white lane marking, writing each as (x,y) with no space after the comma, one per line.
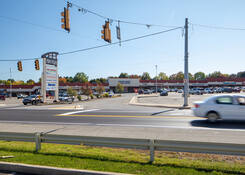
(2,105)
(75,112)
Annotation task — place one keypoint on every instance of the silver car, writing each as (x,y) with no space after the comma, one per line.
(221,107)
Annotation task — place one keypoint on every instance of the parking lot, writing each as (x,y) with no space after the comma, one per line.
(174,98)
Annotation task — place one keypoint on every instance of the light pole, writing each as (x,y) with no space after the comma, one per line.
(156,79)
(10,86)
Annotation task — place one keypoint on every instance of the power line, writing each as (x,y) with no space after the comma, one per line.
(42,26)
(84,10)
(96,47)
(123,41)
(217,27)
(30,23)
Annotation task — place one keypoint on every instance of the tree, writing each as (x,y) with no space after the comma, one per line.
(162,76)
(172,77)
(100,89)
(145,76)
(119,88)
(30,82)
(199,76)
(180,76)
(62,79)
(241,74)
(215,74)
(86,90)
(71,92)
(123,75)
(191,76)
(80,77)
(233,76)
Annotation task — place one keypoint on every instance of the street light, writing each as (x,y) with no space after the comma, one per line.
(156,79)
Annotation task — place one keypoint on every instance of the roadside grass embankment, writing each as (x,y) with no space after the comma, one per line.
(121,160)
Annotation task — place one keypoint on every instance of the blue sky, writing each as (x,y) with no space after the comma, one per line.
(209,49)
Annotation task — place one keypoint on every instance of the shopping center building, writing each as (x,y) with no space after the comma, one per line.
(130,85)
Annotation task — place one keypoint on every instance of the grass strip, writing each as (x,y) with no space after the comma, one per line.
(121,160)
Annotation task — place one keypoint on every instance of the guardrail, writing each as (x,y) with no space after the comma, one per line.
(145,144)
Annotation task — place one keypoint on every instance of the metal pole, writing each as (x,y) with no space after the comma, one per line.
(10,86)
(44,80)
(156,79)
(186,76)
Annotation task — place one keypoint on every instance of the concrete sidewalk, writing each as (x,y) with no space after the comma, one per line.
(135,101)
(46,170)
(140,132)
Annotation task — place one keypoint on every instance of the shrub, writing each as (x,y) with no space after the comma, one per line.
(91,96)
(106,95)
(79,97)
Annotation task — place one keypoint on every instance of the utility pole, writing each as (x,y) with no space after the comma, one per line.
(186,76)
(10,86)
(156,79)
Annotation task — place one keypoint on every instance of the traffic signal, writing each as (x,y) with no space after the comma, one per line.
(106,32)
(19,65)
(37,67)
(65,19)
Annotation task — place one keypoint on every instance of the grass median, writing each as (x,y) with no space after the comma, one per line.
(121,160)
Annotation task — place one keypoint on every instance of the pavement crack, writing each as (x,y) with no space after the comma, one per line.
(162,112)
(48,132)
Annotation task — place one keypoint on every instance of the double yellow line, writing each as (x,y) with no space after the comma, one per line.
(125,116)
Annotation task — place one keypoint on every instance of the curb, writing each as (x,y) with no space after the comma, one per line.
(43,170)
(134,101)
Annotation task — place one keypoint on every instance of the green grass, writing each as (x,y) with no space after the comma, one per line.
(121,160)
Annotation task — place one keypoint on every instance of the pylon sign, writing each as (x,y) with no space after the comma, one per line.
(50,74)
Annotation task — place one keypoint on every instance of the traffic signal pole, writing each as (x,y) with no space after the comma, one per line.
(186,73)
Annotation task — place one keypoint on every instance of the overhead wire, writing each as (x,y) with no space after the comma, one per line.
(84,10)
(122,41)
(99,46)
(217,27)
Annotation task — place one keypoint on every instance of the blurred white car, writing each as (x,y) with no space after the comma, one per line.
(230,107)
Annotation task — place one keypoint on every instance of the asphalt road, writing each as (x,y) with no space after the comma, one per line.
(115,118)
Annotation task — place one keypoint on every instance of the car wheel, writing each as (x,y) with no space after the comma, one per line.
(213,117)
(25,103)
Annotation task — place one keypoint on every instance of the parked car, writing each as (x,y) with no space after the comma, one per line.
(2,97)
(221,107)
(164,93)
(180,91)
(33,99)
(66,98)
(21,96)
(228,90)
(147,91)
(111,94)
(140,91)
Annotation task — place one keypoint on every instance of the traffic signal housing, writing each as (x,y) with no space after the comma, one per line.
(19,65)
(37,67)
(106,32)
(65,19)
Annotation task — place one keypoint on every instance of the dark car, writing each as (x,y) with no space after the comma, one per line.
(2,97)
(228,90)
(164,93)
(140,91)
(32,99)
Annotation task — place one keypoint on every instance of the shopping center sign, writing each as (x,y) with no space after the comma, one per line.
(50,74)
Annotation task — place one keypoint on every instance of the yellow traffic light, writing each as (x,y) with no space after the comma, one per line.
(65,19)
(106,32)
(19,65)
(37,67)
